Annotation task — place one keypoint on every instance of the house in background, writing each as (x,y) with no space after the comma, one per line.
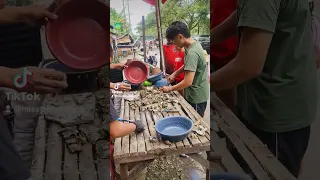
(125,45)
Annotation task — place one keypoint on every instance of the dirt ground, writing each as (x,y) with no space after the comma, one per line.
(171,168)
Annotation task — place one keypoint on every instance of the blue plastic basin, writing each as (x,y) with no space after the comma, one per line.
(174,128)
(161,82)
(156,77)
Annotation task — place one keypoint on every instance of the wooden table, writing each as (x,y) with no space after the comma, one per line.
(137,149)
(235,149)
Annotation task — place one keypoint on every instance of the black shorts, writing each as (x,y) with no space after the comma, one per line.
(291,145)
(200,108)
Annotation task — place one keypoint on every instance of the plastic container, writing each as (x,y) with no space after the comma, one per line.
(174,128)
(161,82)
(136,72)
(155,78)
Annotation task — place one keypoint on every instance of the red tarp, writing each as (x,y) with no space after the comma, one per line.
(152,2)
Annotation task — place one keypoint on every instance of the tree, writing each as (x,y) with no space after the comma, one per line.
(195,13)
(116,18)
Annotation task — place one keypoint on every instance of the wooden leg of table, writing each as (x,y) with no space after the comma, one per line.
(124,172)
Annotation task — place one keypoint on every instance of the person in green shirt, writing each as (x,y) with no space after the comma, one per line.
(275,69)
(195,83)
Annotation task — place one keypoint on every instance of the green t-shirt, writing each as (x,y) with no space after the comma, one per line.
(284,97)
(195,61)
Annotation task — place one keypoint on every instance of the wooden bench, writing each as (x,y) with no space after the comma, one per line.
(137,149)
(235,149)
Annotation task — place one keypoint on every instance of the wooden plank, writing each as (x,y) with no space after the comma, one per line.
(185,141)
(197,119)
(162,144)
(133,136)
(252,162)
(118,141)
(156,145)
(193,141)
(173,145)
(146,133)
(179,144)
(86,163)
(256,147)
(125,147)
(124,172)
(193,113)
(39,154)
(167,152)
(70,165)
(228,161)
(54,153)
(140,137)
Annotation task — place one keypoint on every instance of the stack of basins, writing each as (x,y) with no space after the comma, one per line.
(158,80)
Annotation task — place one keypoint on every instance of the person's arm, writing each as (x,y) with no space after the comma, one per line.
(119,129)
(179,71)
(189,67)
(186,82)
(25,14)
(111,85)
(6,76)
(258,20)
(226,29)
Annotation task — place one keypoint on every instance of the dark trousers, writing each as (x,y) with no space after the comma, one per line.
(290,147)
(200,108)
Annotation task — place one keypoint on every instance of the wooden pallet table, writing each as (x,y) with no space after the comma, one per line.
(137,149)
(235,149)
(52,160)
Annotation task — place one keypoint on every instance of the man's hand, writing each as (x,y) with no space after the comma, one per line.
(124,87)
(172,77)
(165,89)
(29,14)
(43,81)
(119,66)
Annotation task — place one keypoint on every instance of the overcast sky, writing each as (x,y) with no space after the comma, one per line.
(138,8)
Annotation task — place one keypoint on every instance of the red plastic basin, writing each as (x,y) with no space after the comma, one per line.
(78,38)
(136,72)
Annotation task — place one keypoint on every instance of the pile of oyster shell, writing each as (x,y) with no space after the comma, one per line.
(154,100)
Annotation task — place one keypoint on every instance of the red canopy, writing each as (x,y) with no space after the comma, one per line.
(152,2)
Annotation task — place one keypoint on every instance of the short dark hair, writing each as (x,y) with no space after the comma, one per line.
(176,28)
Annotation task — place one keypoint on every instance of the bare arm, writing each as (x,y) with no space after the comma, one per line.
(179,71)
(6,76)
(225,30)
(119,129)
(186,82)
(249,62)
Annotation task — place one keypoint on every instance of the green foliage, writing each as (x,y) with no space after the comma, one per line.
(116,17)
(195,13)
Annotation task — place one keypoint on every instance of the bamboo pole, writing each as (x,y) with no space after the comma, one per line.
(158,19)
